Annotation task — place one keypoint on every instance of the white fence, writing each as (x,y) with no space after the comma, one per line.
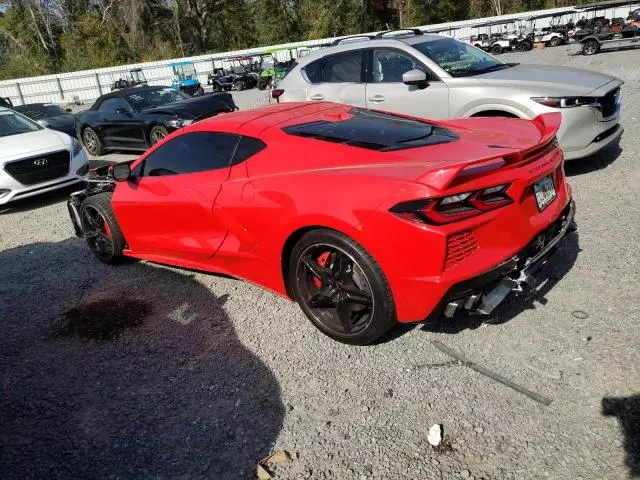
(88,85)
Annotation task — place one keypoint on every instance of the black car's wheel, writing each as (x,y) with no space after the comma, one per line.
(590,47)
(496,49)
(238,85)
(555,41)
(157,133)
(101,229)
(341,288)
(92,142)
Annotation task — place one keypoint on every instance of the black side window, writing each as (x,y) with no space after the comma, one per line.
(191,153)
(339,68)
(344,67)
(110,105)
(313,71)
(247,147)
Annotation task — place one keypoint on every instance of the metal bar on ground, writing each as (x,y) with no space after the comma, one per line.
(494,376)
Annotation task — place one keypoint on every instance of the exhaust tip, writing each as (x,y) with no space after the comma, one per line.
(450,309)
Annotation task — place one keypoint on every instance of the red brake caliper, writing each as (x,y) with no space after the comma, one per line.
(322,261)
(107,230)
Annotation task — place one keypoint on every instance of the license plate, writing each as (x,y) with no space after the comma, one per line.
(545,192)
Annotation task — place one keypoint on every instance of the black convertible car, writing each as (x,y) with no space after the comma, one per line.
(136,118)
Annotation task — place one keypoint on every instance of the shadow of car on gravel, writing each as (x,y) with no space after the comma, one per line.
(124,372)
(595,162)
(549,276)
(627,411)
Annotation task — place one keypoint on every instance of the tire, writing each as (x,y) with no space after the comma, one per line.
(590,47)
(199,91)
(496,49)
(526,45)
(555,41)
(104,238)
(238,85)
(156,134)
(92,142)
(352,283)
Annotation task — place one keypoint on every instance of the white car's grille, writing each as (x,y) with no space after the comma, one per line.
(41,168)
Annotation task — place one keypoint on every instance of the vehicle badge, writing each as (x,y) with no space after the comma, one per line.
(40,162)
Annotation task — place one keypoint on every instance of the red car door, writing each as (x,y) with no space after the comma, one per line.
(166,209)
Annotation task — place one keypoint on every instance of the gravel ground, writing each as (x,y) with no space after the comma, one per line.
(143,371)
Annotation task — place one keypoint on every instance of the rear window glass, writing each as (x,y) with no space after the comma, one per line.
(374,131)
(340,68)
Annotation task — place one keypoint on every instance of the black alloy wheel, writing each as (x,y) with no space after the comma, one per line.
(341,288)
(101,230)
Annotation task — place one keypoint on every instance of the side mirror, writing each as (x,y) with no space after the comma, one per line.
(121,172)
(67,110)
(415,77)
(123,111)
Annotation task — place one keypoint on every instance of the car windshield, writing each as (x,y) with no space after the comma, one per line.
(459,59)
(144,99)
(186,70)
(14,124)
(38,112)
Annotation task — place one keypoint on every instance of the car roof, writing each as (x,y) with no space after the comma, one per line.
(256,121)
(124,92)
(394,41)
(41,104)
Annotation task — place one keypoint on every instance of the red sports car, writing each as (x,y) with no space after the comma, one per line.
(364,218)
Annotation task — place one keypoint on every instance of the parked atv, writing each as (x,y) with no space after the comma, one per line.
(135,78)
(185,79)
(273,69)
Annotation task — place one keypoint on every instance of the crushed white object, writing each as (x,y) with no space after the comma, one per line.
(435,435)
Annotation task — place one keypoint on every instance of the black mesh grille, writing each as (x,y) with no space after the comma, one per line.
(608,103)
(41,168)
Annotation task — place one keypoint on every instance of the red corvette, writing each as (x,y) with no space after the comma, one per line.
(363,217)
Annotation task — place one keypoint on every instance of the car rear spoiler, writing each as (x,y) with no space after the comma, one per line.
(546,123)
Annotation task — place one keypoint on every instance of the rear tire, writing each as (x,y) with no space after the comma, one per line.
(104,238)
(496,49)
(92,142)
(353,302)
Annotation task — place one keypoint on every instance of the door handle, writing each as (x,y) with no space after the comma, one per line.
(316,96)
(376,98)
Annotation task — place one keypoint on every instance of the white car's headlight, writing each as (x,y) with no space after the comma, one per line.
(77,147)
(179,122)
(563,102)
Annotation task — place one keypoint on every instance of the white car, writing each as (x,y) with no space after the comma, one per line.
(34,159)
(438,77)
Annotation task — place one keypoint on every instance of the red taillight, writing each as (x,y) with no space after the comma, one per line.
(453,208)
(277,93)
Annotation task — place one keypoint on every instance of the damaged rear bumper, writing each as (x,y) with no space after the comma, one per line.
(482,294)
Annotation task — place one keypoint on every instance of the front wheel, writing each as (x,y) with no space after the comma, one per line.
(101,230)
(590,47)
(341,288)
(157,133)
(199,91)
(92,142)
(496,49)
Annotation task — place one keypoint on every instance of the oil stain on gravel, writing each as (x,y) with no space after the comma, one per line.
(103,319)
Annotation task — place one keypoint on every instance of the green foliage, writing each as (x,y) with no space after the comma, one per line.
(47,36)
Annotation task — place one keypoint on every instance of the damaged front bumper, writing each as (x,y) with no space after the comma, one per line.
(482,294)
